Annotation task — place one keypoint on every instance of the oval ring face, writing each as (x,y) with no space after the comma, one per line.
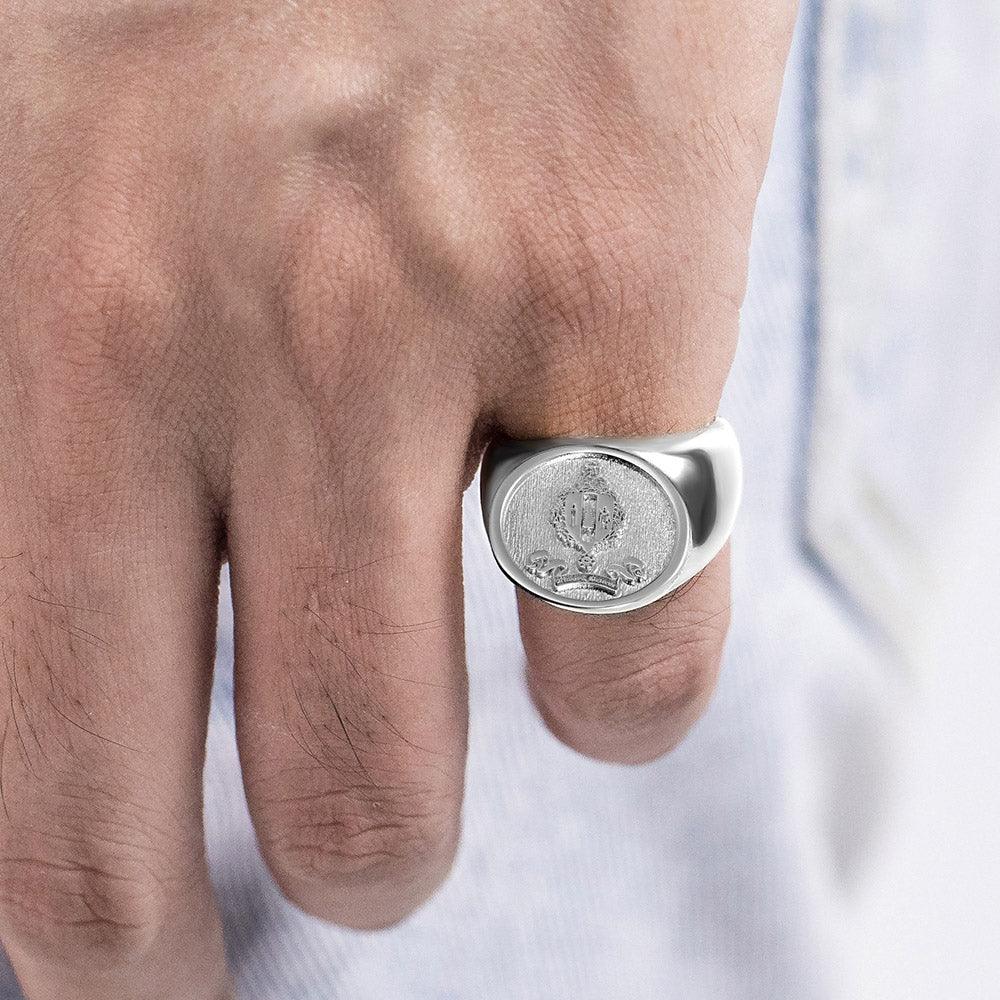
(590,529)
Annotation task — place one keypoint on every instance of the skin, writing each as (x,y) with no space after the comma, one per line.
(271,275)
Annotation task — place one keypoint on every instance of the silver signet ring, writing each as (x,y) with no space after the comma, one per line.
(607,525)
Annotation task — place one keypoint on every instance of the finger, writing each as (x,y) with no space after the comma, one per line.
(626,689)
(609,355)
(351,689)
(106,638)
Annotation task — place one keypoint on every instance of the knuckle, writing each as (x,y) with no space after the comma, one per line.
(96,313)
(362,835)
(605,266)
(620,706)
(91,854)
(87,287)
(590,276)
(334,290)
(80,899)
(684,676)
(356,794)
(592,288)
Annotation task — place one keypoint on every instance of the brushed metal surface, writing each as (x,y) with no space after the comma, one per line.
(590,526)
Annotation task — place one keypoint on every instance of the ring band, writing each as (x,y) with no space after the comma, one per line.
(608,525)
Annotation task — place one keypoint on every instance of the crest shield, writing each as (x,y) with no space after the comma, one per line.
(589,517)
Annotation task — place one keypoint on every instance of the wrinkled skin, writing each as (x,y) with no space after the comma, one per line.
(271,274)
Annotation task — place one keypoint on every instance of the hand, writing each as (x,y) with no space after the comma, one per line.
(270,276)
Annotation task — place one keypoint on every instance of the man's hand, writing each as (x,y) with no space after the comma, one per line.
(270,275)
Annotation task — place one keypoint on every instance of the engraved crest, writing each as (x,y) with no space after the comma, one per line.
(588,519)
(588,516)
